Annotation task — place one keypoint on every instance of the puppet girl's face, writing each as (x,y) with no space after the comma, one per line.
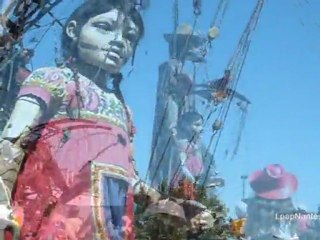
(197,127)
(106,41)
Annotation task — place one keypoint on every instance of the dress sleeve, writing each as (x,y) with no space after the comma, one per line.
(46,84)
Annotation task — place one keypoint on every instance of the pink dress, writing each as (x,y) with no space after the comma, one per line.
(193,164)
(75,183)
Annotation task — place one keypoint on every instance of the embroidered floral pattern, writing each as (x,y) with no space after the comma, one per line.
(97,104)
(49,80)
(98,171)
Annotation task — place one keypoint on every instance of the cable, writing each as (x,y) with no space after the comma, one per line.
(189,144)
(225,108)
(24,25)
(220,13)
(197,5)
(46,24)
(166,108)
(222,7)
(175,26)
(167,144)
(41,14)
(157,136)
(241,128)
(42,36)
(188,38)
(237,62)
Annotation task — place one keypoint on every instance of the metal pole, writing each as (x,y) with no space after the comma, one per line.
(244,178)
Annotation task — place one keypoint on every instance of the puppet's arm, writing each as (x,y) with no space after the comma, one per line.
(25,115)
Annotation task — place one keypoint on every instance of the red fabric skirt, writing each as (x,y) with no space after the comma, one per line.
(76,182)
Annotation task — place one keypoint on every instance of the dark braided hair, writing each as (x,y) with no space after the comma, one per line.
(81,15)
(117,78)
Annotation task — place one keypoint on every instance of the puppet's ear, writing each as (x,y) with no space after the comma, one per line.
(71,30)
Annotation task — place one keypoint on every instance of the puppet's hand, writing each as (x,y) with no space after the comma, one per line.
(10,218)
(11,157)
(9,152)
(6,217)
(187,173)
(5,213)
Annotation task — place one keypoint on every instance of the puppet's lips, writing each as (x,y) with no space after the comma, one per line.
(114,52)
(113,56)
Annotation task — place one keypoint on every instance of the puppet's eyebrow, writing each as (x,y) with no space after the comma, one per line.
(110,17)
(104,19)
(132,28)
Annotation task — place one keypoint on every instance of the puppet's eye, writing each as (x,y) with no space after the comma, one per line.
(103,26)
(132,36)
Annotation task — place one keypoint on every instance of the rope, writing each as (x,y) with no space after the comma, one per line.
(192,100)
(217,21)
(190,142)
(46,25)
(42,36)
(245,38)
(221,8)
(175,26)
(188,38)
(219,14)
(241,128)
(223,115)
(25,26)
(167,144)
(237,62)
(225,108)
(10,77)
(10,59)
(211,163)
(166,109)
(197,5)
(41,14)
(205,123)
(56,19)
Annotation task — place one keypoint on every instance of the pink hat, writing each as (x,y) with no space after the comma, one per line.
(273,182)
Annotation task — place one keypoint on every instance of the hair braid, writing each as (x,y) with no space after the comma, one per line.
(117,78)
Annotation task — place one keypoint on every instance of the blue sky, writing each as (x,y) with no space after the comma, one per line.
(281,78)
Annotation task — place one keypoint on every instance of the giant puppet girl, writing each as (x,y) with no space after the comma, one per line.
(174,98)
(189,163)
(76,180)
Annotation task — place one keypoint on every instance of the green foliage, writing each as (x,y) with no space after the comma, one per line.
(161,226)
(221,229)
